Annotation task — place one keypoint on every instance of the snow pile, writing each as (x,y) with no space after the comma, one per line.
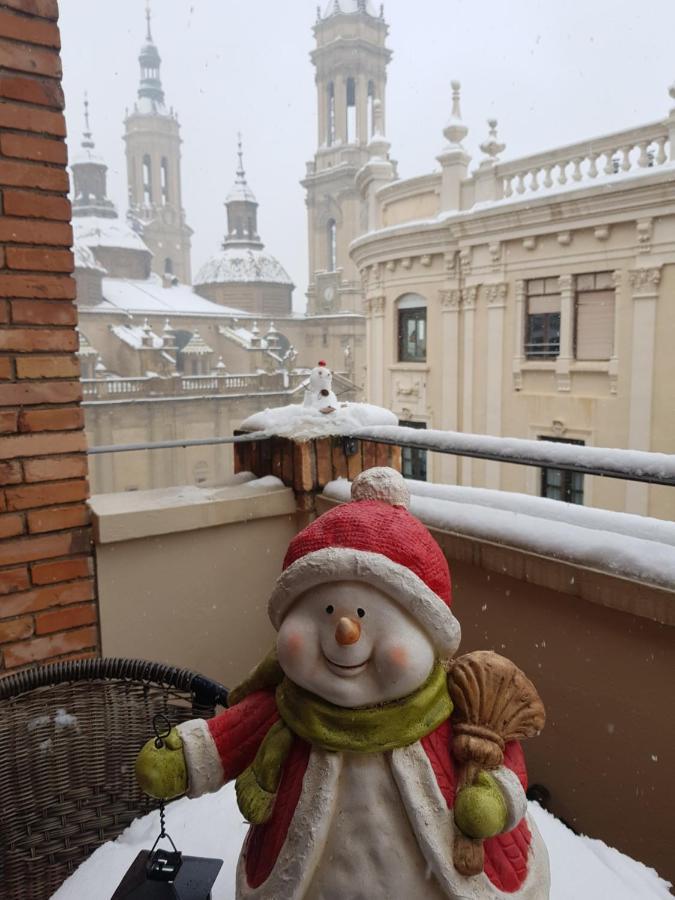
(242,265)
(302,423)
(581,868)
(621,544)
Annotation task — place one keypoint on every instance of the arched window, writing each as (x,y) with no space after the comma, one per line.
(412,328)
(164,180)
(330,134)
(147,180)
(351,111)
(168,266)
(332,245)
(370,113)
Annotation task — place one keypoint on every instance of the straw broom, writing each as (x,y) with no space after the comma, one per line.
(494,703)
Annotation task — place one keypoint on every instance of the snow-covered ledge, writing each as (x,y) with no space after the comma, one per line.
(632,550)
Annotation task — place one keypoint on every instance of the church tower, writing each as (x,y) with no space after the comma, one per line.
(351,74)
(152,136)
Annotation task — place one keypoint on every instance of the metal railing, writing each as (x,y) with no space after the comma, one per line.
(605,462)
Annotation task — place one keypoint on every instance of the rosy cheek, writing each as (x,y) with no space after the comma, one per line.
(398,657)
(293,644)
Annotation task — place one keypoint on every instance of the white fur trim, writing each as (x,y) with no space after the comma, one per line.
(307,834)
(381,483)
(433,824)
(205,770)
(513,794)
(399,582)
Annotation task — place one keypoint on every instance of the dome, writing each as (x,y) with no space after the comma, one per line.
(241,193)
(348,7)
(244,266)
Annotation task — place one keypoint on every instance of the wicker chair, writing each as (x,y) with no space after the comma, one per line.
(69,734)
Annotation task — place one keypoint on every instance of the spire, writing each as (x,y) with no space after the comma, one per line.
(89,176)
(242,207)
(455,131)
(150,87)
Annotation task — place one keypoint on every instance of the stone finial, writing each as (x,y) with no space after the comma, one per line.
(100,368)
(378,146)
(492,146)
(455,131)
(671,91)
(220,366)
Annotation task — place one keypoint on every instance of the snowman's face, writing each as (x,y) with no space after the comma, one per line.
(320,378)
(352,645)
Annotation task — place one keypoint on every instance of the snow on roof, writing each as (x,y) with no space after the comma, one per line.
(85,259)
(240,192)
(96,231)
(133,335)
(630,546)
(85,348)
(237,265)
(348,7)
(581,867)
(197,345)
(150,296)
(304,423)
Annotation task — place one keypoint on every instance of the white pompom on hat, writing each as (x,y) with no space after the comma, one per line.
(376,540)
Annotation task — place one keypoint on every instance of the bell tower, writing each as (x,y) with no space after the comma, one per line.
(351,74)
(152,137)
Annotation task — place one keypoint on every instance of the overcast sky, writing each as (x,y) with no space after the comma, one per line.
(552,73)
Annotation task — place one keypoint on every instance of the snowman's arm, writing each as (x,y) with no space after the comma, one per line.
(219,749)
(511,779)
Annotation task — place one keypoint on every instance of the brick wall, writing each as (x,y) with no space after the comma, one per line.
(47,593)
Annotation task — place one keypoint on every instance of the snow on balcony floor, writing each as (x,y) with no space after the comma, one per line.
(581,868)
(635,547)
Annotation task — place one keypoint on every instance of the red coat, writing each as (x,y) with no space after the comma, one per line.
(239,731)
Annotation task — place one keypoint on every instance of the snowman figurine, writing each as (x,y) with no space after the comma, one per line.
(320,394)
(340,742)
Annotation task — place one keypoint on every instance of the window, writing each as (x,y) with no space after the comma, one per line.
(147,180)
(542,331)
(330,137)
(168,266)
(594,316)
(413,461)
(351,110)
(370,114)
(332,245)
(164,180)
(412,329)
(558,484)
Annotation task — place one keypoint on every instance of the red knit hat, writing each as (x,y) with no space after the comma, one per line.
(375,540)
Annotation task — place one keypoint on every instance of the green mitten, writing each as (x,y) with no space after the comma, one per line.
(480,810)
(161,771)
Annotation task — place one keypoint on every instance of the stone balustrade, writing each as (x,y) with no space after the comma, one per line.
(596,159)
(101,389)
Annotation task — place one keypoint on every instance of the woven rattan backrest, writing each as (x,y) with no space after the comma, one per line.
(69,735)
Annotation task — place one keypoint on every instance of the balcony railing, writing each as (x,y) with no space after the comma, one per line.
(101,389)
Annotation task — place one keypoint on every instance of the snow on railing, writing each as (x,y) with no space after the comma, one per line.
(614,154)
(632,465)
(173,385)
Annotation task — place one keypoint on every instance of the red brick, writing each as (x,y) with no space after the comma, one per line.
(29,231)
(4,312)
(30,339)
(54,645)
(33,175)
(17,630)
(23,118)
(47,9)
(10,472)
(12,580)
(29,496)
(47,597)
(47,366)
(57,518)
(47,287)
(29,31)
(32,89)
(30,549)
(42,444)
(55,468)
(63,619)
(31,59)
(51,419)
(23,146)
(6,371)
(39,260)
(8,421)
(35,205)
(30,392)
(11,526)
(43,312)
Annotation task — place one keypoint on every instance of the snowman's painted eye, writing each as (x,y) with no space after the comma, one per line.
(360,612)
(330,609)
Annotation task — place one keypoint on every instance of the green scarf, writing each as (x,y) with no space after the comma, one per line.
(371,729)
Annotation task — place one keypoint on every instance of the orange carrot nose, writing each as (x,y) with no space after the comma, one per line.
(348,631)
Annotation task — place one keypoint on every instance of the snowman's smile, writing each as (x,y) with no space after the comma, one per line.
(345,671)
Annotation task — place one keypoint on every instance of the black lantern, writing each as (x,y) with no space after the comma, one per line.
(159,874)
